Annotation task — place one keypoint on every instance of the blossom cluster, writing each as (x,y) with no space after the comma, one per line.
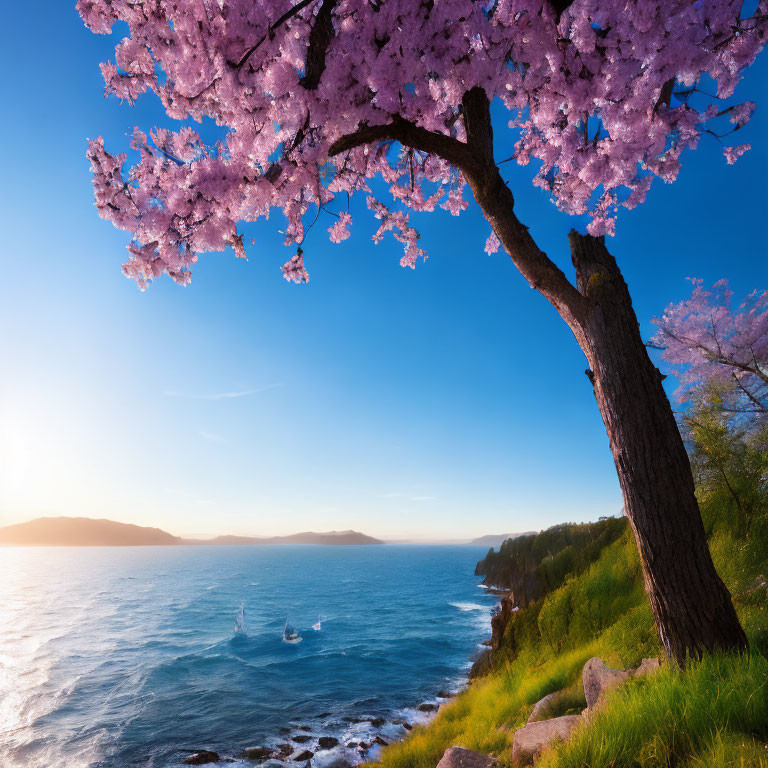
(707,340)
(605,97)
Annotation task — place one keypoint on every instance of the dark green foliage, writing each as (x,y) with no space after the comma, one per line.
(536,564)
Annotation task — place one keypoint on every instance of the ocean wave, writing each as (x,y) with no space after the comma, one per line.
(465,607)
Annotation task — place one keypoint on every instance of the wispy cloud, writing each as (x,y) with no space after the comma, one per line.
(214,438)
(233,395)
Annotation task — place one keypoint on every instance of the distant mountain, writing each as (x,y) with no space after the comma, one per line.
(309,537)
(496,541)
(82,532)
(87,532)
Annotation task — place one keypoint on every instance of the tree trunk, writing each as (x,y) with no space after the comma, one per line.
(690,603)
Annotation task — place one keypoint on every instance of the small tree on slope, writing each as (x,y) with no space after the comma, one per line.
(714,346)
(319,97)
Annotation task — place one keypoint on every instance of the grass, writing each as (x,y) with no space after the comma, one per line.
(485,716)
(712,713)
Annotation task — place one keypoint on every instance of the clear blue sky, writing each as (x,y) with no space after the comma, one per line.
(449,401)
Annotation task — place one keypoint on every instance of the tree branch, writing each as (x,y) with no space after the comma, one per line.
(497,202)
(289,14)
(407,133)
(750,395)
(319,39)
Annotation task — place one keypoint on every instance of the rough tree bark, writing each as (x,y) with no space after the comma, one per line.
(691,605)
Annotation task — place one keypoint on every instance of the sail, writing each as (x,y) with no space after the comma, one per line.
(240,621)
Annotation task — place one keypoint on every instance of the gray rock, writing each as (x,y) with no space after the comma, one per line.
(305,755)
(531,739)
(540,708)
(427,707)
(301,739)
(648,667)
(458,757)
(257,753)
(381,742)
(203,757)
(598,679)
(327,742)
(283,750)
(377,722)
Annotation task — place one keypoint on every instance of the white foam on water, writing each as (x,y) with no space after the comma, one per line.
(466,607)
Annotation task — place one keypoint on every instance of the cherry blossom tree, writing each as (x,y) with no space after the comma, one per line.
(317,98)
(710,344)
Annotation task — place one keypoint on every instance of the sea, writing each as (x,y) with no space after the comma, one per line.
(119,657)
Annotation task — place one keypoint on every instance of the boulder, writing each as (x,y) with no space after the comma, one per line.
(304,756)
(445,695)
(458,757)
(532,738)
(427,707)
(257,753)
(598,679)
(542,706)
(301,739)
(327,742)
(377,722)
(648,667)
(203,757)
(283,750)
(381,742)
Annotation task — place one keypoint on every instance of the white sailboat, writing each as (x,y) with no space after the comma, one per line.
(240,621)
(318,626)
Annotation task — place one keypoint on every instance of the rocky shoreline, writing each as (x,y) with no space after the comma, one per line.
(332,743)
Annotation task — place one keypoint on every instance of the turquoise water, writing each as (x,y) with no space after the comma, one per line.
(118,657)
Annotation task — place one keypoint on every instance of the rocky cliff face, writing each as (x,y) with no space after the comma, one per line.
(530,567)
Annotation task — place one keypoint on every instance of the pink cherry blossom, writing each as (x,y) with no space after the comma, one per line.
(706,339)
(492,244)
(603,98)
(293,269)
(732,154)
